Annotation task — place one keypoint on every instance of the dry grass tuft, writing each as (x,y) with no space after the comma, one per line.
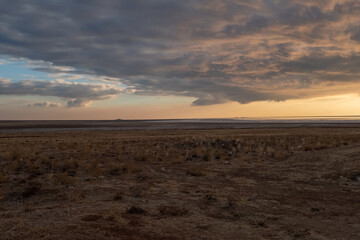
(139,191)
(15,154)
(129,166)
(76,196)
(208,156)
(144,157)
(31,190)
(91,218)
(210,199)
(231,203)
(95,169)
(3,178)
(70,164)
(136,210)
(65,179)
(119,195)
(196,171)
(172,210)
(114,168)
(112,216)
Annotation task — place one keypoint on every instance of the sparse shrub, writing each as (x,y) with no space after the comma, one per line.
(114,168)
(85,151)
(210,199)
(281,155)
(3,178)
(118,195)
(320,146)
(143,157)
(172,210)
(65,179)
(15,154)
(136,210)
(130,167)
(31,189)
(70,164)
(244,158)
(196,171)
(231,203)
(96,170)
(111,216)
(138,191)
(76,196)
(15,165)
(92,218)
(262,224)
(32,167)
(29,209)
(208,156)
(179,158)
(48,162)
(308,147)
(220,154)
(195,153)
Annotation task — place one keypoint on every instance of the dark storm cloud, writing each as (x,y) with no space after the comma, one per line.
(213,50)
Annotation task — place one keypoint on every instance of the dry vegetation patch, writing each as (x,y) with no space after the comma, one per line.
(220,184)
(172,210)
(136,210)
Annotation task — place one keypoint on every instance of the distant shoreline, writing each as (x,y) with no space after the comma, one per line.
(117,125)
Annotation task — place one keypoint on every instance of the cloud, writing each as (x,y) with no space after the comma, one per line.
(44,105)
(354,31)
(215,51)
(76,94)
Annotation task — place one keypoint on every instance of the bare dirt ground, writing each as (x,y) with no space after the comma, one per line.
(289,183)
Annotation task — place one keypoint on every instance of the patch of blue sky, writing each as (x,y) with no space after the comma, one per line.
(18,69)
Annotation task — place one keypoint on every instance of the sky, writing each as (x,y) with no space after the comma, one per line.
(153,59)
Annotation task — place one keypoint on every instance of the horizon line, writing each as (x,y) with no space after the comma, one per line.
(167,119)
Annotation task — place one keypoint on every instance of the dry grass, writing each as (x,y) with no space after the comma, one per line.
(222,184)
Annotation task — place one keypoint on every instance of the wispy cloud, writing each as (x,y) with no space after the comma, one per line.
(215,51)
(44,105)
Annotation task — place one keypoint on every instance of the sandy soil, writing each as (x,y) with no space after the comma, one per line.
(299,183)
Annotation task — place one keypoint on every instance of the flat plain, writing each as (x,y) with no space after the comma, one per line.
(264,183)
